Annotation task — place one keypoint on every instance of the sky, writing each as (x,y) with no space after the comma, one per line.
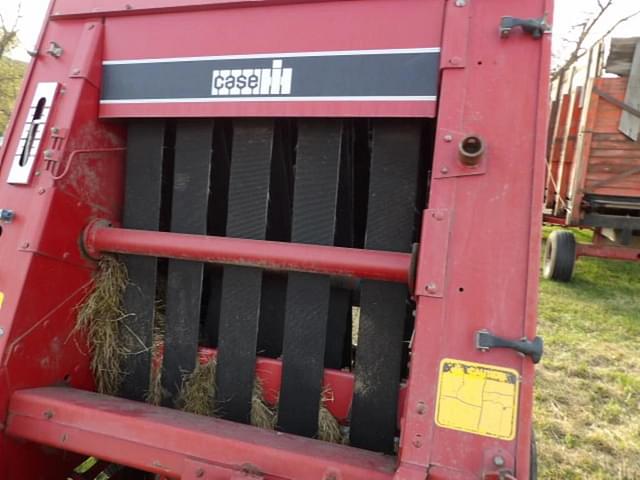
(568,13)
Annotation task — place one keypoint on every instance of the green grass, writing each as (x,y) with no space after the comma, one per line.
(587,411)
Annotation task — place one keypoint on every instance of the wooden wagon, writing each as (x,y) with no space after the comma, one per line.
(593,161)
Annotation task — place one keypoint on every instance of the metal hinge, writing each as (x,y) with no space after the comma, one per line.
(536,27)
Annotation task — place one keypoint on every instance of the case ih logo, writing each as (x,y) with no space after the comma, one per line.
(260,81)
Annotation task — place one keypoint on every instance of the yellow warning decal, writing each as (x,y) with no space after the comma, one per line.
(478,398)
(1,299)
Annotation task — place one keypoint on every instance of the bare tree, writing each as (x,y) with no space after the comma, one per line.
(9,33)
(580,36)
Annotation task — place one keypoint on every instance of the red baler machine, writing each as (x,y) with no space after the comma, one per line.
(336,201)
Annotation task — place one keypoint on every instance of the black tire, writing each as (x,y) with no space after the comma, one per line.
(560,256)
(533,462)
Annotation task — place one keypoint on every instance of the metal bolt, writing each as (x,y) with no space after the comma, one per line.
(1,331)
(7,215)
(76,71)
(498,461)
(455,60)
(448,138)
(199,473)
(444,170)
(431,287)
(461,3)
(438,216)
(48,154)
(41,191)
(48,414)
(55,130)
(25,245)
(421,408)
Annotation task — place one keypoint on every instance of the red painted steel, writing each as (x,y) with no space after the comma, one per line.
(488,247)
(288,26)
(269,372)
(159,440)
(611,252)
(375,265)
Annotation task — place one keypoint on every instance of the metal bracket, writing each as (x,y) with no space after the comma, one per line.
(485,341)
(197,470)
(432,257)
(87,62)
(536,27)
(452,165)
(55,50)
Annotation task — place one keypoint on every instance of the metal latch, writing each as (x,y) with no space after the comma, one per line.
(536,27)
(486,341)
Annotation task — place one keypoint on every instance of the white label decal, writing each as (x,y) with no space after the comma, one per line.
(249,82)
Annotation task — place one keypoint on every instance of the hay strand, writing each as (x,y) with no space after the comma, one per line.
(328,426)
(198,391)
(262,415)
(99,319)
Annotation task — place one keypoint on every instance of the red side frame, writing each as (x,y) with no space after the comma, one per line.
(477,266)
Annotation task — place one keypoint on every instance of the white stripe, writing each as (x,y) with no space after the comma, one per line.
(272,99)
(397,51)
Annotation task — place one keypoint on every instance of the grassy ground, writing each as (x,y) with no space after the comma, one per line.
(587,410)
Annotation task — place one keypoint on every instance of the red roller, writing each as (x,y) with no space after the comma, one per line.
(348,262)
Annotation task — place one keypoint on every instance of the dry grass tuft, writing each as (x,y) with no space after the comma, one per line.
(262,415)
(328,426)
(99,318)
(198,391)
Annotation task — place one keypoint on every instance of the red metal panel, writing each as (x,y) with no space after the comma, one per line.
(492,239)
(391,266)
(294,27)
(493,250)
(159,440)
(42,274)
(268,109)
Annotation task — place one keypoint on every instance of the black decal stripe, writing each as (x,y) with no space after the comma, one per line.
(191,178)
(241,286)
(380,75)
(383,306)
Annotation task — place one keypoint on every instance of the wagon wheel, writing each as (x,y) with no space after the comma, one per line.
(560,256)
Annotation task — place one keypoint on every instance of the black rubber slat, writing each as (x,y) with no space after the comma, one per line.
(338,343)
(242,286)
(217,224)
(142,202)
(191,179)
(383,306)
(308,295)
(274,284)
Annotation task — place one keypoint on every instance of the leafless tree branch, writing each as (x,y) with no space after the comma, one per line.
(584,29)
(9,34)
